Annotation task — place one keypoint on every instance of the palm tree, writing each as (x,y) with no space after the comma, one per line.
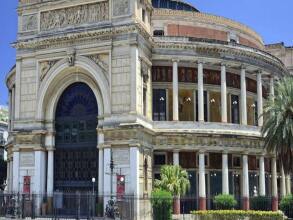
(278,125)
(175,180)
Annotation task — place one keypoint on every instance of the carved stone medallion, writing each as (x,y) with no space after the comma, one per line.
(76,15)
(120,7)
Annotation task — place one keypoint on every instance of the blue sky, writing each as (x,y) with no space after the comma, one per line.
(272,19)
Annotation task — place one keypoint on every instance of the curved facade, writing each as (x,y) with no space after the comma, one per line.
(172,86)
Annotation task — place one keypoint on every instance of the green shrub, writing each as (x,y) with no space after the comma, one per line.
(225,202)
(286,205)
(237,215)
(261,203)
(162,204)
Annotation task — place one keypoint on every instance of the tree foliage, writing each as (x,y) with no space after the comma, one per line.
(278,123)
(173,179)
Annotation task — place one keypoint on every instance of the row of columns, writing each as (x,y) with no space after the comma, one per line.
(200,87)
(285,181)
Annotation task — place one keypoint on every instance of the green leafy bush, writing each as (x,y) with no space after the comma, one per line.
(225,202)
(261,203)
(162,201)
(237,215)
(286,205)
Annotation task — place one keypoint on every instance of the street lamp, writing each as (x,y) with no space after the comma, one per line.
(93,181)
(112,171)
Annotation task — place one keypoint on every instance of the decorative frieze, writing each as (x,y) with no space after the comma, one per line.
(120,7)
(76,15)
(29,22)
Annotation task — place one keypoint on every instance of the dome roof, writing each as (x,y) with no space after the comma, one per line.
(174,5)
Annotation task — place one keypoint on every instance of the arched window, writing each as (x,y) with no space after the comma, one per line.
(76,155)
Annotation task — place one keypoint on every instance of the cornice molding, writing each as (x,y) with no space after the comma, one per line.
(220,50)
(105,33)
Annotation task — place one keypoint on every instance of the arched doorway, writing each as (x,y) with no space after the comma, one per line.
(76,155)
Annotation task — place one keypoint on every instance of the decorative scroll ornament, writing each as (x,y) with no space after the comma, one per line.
(81,14)
(45,67)
(100,60)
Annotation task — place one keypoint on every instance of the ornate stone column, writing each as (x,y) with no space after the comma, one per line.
(11,175)
(225,174)
(175,91)
(175,157)
(202,184)
(275,200)
(283,182)
(223,93)
(176,202)
(259,99)
(272,88)
(288,184)
(200,92)
(50,172)
(134,176)
(243,97)
(262,179)
(101,163)
(245,183)
(8,175)
(15,181)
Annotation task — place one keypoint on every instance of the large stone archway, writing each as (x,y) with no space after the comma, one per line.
(60,77)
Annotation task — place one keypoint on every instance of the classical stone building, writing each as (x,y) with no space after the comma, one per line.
(284,53)
(139,84)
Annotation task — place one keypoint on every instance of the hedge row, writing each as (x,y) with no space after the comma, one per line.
(238,215)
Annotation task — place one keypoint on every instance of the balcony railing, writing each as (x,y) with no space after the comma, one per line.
(207,128)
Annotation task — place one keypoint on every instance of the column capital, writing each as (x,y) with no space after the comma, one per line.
(174,60)
(245,153)
(51,149)
(225,152)
(243,67)
(224,63)
(199,61)
(259,71)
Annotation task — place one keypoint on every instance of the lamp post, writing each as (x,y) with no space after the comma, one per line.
(93,199)
(93,181)
(112,171)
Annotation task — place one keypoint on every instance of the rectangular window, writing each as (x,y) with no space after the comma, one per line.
(186,105)
(236,162)
(144,101)
(158,33)
(255,114)
(159,105)
(205,98)
(160,159)
(143,15)
(215,106)
(235,109)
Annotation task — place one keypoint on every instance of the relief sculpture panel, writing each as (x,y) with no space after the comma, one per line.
(120,7)
(81,14)
(29,22)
